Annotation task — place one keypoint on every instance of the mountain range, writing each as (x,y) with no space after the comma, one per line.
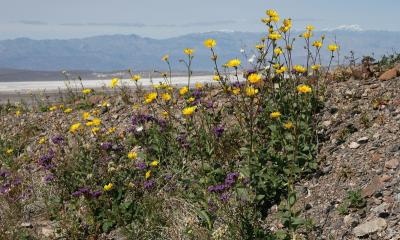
(116,52)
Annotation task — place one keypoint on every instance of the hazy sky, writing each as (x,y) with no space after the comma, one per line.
(168,18)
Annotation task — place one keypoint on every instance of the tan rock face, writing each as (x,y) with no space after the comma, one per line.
(390,74)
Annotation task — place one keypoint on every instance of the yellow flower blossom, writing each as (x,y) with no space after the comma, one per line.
(114,82)
(216,78)
(136,77)
(304,89)
(68,110)
(274,16)
(108,187)
(42,140)
(132,155)
(189,110)
(288,125)
(191,99)
(75,127)
(111,130)
(275,115)
(307,34)
(9,151)
(278,51)
(333,47)
(96,121)
(86,115)
(274,36)
(260,46)
(310,28)
(188,51)
(317,44)
(150,97)
(299,69)
(315,67)
(154,163)
(198,85)
(183,90)
(148,174)
(53,108)
(165,114)
(210,43)
(233,63)
(166,96)
(165,58)
(236,91)
(254,78)
(281,70)
(86,91)
(250,91)
(95,130)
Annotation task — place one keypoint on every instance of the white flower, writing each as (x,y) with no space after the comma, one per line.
(139,129)
(242,50)
(252,59)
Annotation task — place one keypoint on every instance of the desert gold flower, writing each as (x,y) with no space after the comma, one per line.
(275,115)
(96,121)
(198,85)
(89,124)
(254,78)
(105,104)
(86,115)
(108,187)
(233,63)
(236,91)
(216,78)
(75,127)
(148,174)
(136,77)
(281,70)
(53,108)
(86,91)
(188,51)
(183,90)
(165,58)
(274,16)
(288,125)
(274,36)
(315,67)
(260,46)
(210,43)
(317,44)
(191,99)
(18,113)
(310,28)
(250,91)
(189,110)
(132,155)
(278,51)
(114,82)
(9,151)
(95,130)
(304,88)
(154,163)
(166,96)
(68,110)
(299,69)
(287,23)
(150,97)
(95,111)
(307,34)
(333,47)
(111,130)
(42,140)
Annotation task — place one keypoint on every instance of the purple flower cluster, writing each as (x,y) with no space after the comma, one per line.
(57,139)
(85,191)
(106,146)
(149,184)
(46,160)
(141,165)
(230,180)
(218,131)
(144,118)
(49,178)
(182,140)
(8,181)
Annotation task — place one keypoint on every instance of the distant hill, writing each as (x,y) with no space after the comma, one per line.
(115,52)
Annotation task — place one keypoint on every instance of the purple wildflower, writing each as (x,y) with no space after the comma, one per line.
(106,146)
(45,161)
(57,139)
(141,165)
(48,178)
(224,197)
(148,184)
(96,194)
(218,131)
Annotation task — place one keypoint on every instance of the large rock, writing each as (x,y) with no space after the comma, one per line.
(390,74)
(372,226)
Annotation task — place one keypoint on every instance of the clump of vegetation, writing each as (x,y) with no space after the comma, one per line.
(196,162)
(354,200)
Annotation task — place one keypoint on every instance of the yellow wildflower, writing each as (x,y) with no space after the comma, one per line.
(288,125)
(75,127)
(281,70)
(53,108)
(95,130)
(216,78)
(68,110)
(166,96)
(150,97)
(233,63)
(198,85)
(250,91)
(136,77)
(154,163)
(315,67)
(304,89)
(42,140)
(274,36)
(148,174)
(278,51)
(274,16)
(86,91)
(191,99)
(96,121)
(254,78)
(189,110)
(86,115)
(165,58)
(165,114)
(183,90)
(132,155)
(299,69)
(9,151)
(333,47)
(317,44)
(210,43)
(111,130)
(108,187)
(188,51)
(275,115)
(287,24)
(307,34)
(236,91)
(114,82)
(260,46)
(310,28)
